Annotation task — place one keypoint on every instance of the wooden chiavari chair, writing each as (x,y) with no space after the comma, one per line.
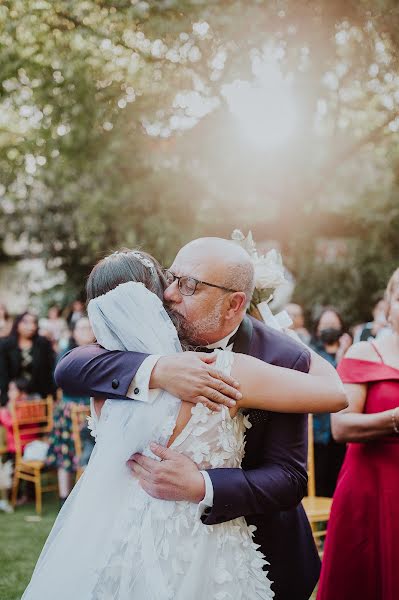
(32,418)
(317,508)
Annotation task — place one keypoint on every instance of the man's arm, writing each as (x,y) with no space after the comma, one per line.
(94,371)
(278,483)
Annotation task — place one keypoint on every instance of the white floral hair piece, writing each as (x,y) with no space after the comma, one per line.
(269,268)
(144,261)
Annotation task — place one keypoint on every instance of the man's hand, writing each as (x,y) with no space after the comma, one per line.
(175,477)
(192,377)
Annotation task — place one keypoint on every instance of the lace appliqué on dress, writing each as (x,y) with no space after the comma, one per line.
(163,551)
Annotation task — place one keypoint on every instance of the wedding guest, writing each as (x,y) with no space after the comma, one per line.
(61,453)
(362,546)
(24,353)
(296,313)
(76,312)
(370,330)
(53,327)
(17,393)
(5,321)
(331,342)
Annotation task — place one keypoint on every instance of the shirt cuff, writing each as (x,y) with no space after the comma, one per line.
(139,389)
(206,504)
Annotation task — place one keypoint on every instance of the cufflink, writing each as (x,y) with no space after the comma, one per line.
(115,383)
(136,391)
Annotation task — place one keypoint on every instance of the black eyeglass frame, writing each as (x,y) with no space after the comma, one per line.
(196,281)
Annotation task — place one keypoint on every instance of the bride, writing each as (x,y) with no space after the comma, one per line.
(112,541)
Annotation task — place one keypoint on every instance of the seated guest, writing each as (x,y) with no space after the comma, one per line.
(61,453)
(25,353)
(17,393)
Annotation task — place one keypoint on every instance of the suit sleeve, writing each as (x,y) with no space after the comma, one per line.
(278,483)
(93,371)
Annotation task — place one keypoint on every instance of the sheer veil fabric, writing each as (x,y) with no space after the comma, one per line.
(127,318)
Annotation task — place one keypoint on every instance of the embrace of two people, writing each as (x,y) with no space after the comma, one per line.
(194,487)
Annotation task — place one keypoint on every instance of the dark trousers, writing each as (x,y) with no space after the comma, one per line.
(328,460)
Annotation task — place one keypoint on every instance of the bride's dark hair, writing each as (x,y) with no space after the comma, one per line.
(129,265)
(123,266)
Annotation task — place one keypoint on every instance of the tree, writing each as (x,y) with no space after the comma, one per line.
(119,126)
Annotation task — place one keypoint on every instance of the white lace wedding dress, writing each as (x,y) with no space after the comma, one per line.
(142,548)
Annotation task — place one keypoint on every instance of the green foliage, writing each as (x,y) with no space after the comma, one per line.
(115,130)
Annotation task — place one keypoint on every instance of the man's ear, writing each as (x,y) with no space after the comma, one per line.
(238,301)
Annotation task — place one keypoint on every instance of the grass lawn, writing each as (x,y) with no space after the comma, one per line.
(20,544)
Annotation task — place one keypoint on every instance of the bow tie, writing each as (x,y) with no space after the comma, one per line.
(206,349)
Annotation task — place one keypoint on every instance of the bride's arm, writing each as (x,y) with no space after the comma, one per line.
(269,387)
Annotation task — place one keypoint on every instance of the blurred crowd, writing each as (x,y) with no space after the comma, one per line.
(29,350)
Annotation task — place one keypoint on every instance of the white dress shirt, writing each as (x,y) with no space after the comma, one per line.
(139,390)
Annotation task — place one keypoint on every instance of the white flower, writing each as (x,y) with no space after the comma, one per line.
(91,426)
(245,242)
(200,451)
(237,236)
(168,427)
(200,413)
(269,270)
(247,422)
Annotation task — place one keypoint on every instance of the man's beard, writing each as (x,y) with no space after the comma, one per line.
(194,334)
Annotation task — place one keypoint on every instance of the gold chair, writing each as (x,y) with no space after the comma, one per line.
(3,440)
(32,418)
(79,414)
(317,508)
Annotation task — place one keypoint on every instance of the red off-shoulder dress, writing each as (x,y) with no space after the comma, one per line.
(361,556)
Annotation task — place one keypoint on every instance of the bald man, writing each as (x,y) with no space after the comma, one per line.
(210,284)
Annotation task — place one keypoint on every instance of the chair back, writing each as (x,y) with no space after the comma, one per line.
(32,419)
(3,440)
(79,414)
(311,467)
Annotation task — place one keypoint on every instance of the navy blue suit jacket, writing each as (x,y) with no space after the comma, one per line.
(270,486)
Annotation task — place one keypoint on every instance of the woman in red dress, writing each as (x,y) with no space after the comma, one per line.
(361,557)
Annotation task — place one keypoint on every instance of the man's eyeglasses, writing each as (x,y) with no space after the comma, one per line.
(188,285)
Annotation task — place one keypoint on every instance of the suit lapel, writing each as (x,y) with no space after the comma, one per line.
(244,337)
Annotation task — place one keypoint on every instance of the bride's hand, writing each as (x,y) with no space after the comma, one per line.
(192,377)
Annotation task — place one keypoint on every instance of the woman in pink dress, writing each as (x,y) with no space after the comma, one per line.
(361,557)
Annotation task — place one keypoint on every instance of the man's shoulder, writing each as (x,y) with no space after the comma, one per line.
(277,347)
